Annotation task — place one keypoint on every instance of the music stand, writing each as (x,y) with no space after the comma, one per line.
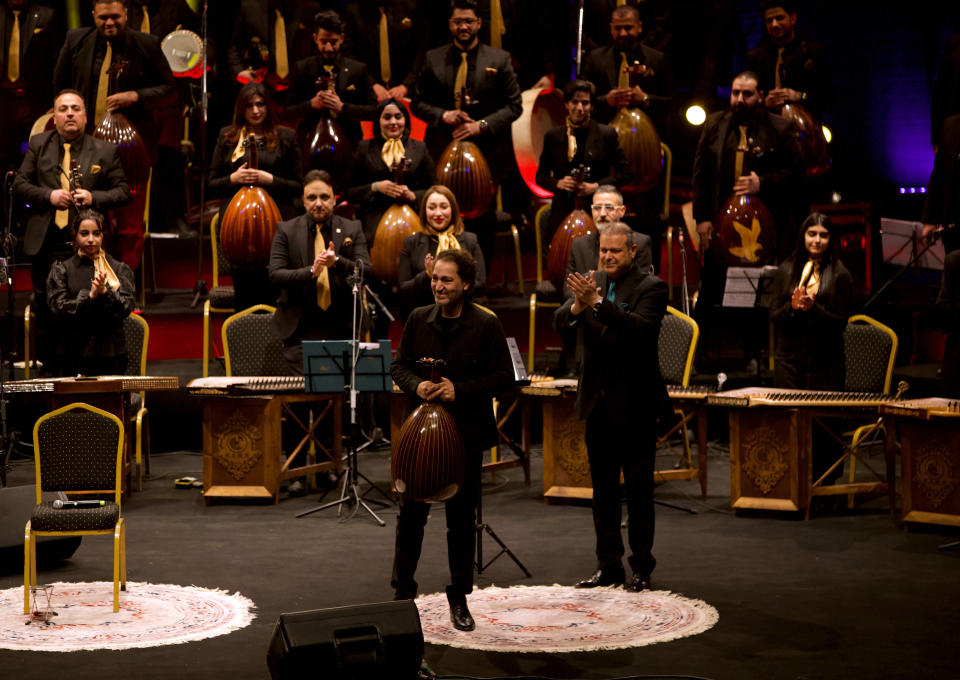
(335,365)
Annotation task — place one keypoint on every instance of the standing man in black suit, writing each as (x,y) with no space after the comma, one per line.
(478,368)
(43,183)
(582,141)
(495,102)
(942,206)
(617,313)
(260,47)
(607,209)
(311,258)
(30,37)
(349,97)
(388,36)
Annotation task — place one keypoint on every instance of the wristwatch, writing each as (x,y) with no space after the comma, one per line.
(484,125)
(596,306)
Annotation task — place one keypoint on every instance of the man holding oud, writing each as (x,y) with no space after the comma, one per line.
(472,343)
(64,170)
(312,259)
(617,313)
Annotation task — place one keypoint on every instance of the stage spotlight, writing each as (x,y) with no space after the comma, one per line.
(367,641)
(696,115)
(827,134)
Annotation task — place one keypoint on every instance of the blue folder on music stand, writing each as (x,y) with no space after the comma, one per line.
(326,366)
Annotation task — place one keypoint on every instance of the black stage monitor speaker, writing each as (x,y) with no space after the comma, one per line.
(381,640)
(16,504)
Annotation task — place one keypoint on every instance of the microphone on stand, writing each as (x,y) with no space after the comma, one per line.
(65,505)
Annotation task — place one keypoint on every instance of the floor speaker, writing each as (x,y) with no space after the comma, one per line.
(16,504)
(381,640)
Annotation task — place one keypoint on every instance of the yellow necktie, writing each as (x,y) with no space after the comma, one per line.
(776,69)
(145,24)
(461,80)
(813,283)
(392,152)
(741,147)
(13,56)
(624,80)
(62,217)
(447,241)
(323,280)
(385,73)
(280,45)
(331,84)
(103,86)
(621,3)
(101,265)
(497,29)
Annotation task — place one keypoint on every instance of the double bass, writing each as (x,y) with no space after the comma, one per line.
(639,139)
(745,226)
(577,223)
(326,147)
(398,222)
(463,169)
(429,462)
(250,220)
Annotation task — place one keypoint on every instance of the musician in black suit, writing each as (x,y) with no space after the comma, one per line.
(310,259)
(605,64)
(406,36)
(144,82)
(478,368)
(618,312)
(25,87)
(582,141)
(254,53)
(942,205)
(161,17)
(372,187)
(43,183)
(350,96)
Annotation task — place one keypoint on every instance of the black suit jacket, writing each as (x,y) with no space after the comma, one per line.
(368,167)
(942,205)
(493,89)
(255,20)
(603,70)
(478,365)
(39,174)
(406,35)
(778,163)
(617,347)
(41,35)
(354,86)
(602,154)
(585,254)
(165,17)
(805,69)
(290,271)
(414,284)
(147,72)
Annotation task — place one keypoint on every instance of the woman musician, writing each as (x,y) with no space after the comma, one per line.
(90,294)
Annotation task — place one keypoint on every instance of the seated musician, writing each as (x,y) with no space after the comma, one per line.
(372,186)
(812,294)
(277,172)
(443,229)
(90,294)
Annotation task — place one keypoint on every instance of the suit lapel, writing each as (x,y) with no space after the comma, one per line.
(722,129)
(26,30)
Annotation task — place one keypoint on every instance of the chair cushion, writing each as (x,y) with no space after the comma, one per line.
(222,297)
(867,353)
(673,347)
(45,517)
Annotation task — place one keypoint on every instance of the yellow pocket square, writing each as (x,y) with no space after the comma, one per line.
(347,242)
(351,88)
(491,70)
(37,30)
(95,169)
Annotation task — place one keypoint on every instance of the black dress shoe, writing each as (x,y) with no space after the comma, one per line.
(638,583)
(601,578)
(460,616)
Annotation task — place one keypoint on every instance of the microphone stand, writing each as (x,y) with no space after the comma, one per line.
(200,287)
(350,490)
(7,440)
(684,289)
(373,439)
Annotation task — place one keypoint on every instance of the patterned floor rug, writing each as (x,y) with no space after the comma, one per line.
(565,619)
(150,615)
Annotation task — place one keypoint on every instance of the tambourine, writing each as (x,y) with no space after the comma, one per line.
(184,52)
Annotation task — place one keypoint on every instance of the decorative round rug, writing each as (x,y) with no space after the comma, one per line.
(565,619)
(150,615)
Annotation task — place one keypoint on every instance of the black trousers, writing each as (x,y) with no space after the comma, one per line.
(461,511)
(615,444)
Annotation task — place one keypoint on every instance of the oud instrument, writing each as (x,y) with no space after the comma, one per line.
(250,220)
(463,169)
(325,145)
(813,144)
(398,222)
(429,461)
(639,139)
(577,223)
(745,226)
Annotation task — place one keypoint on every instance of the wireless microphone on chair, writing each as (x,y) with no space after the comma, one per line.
(62,505)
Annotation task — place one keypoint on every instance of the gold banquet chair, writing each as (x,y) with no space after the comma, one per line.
(136,335)
(220,299)
(250,347)
(534,303)
(78,449)
(676,348)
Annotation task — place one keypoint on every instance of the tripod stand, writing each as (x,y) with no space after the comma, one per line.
(482,527)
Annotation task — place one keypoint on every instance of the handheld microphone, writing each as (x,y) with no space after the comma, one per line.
(66,505)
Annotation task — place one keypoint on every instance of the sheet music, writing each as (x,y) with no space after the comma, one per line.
(743,284)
